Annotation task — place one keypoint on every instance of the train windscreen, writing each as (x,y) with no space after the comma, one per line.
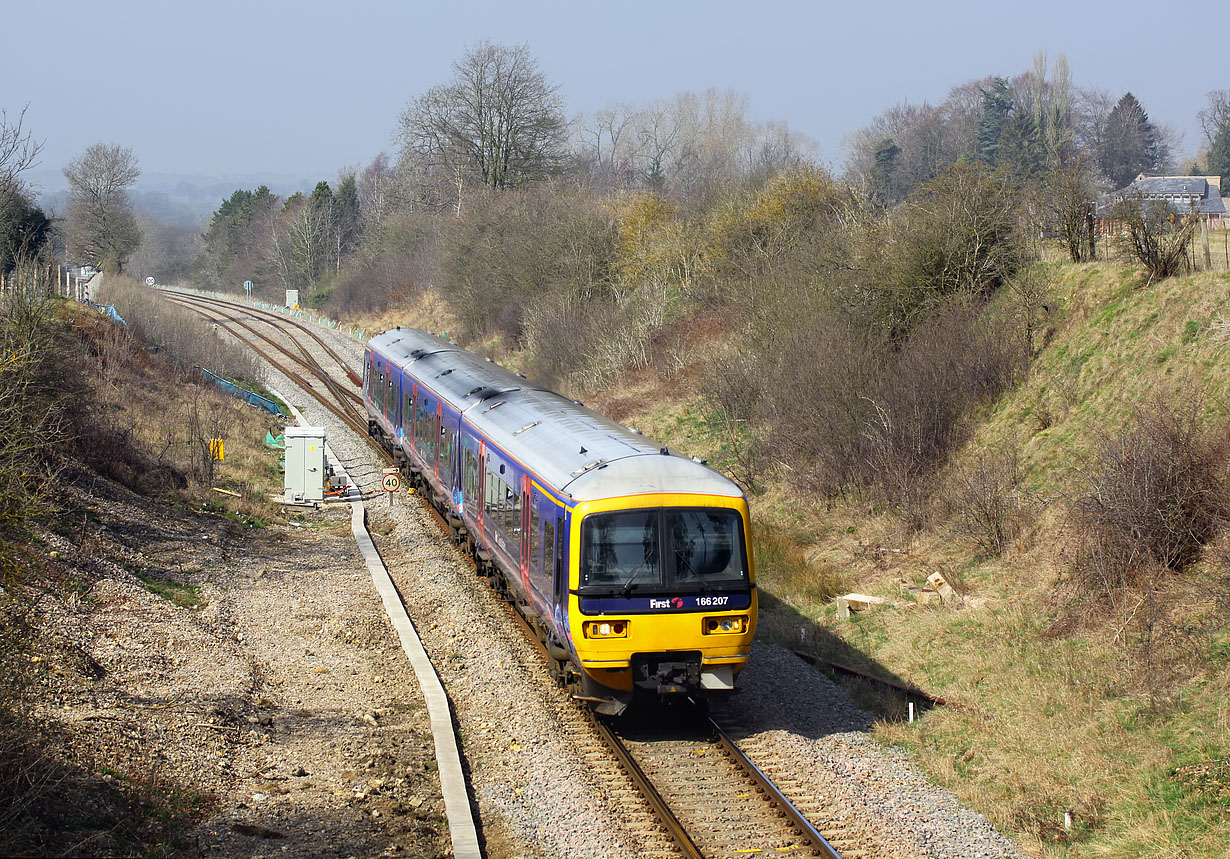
(668,547)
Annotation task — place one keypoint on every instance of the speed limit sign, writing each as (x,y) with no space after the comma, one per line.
(391,481)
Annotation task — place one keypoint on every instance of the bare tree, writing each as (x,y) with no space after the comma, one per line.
(23,226)
(1067,196)
(18,148)
(302,236)
(102,230)
(683,143)
(375,188)
(1213,118)
(1092,107)
(497,120)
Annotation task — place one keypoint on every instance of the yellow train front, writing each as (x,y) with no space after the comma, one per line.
(632,563)
(661,597)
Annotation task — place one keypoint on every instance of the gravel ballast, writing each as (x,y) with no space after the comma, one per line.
(531,787)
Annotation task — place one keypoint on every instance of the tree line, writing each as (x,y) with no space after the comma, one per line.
(603,243)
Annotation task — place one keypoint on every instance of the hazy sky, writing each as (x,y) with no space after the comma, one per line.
(307,87)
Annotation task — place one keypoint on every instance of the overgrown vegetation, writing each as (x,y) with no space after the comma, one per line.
(40,399)
(1157,495)
(80,398)
(180,333)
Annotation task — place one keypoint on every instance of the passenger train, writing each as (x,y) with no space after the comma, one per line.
(631,563)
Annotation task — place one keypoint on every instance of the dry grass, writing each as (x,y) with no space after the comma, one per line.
(152,421)
(1059,718)
(429,313)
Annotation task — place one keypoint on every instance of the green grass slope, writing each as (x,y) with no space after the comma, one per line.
(1079,732)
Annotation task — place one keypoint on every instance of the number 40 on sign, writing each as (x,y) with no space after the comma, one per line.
(390,482)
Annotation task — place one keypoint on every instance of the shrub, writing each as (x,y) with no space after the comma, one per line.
(1153,236)
(956,235)
(1157,494)
(851,411)
(984,499)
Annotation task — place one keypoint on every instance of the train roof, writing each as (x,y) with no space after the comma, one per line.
(578,452)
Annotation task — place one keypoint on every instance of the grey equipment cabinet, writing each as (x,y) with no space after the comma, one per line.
(305,463)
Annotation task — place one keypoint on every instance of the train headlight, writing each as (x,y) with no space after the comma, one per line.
(606,629)
(725,625)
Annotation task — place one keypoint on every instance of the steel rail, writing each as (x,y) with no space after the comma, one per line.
(353,423)
(674,828)
(256,311)
(819,842)
(313,366)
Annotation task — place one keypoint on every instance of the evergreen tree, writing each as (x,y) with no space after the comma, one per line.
(885,170)
(1131,144)
(1219,156)
(996,106)
(24,228)
(345,219)
(1021,149)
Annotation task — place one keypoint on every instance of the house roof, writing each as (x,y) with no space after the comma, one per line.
(1183,194)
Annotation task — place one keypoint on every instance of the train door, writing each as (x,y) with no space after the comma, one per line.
(480,487)
(553,561)
(389,399)
(438,435)
(405,422)
(469,477)
(528,512)
(411,423)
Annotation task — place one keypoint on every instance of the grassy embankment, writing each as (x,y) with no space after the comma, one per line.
(1065,711)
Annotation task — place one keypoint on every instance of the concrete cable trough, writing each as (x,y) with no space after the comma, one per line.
(462,830)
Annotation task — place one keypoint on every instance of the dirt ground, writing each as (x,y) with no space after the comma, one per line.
(200,687)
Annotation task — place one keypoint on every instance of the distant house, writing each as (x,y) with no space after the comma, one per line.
(1185,195)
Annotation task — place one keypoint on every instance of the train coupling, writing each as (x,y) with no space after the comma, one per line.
(666,673)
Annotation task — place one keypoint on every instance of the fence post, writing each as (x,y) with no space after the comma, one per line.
(1204,238)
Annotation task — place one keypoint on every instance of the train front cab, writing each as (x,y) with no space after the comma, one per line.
(662,597)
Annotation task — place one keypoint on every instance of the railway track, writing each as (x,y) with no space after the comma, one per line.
(697,794)
(342,402)
(683,786)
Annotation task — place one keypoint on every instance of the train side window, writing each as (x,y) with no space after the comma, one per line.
(501,513)
(490,503)
(505,509)
(469,478)
(514,517)
(548,551)
(390,401)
